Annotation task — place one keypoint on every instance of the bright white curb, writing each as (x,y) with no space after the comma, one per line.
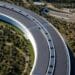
(27,35)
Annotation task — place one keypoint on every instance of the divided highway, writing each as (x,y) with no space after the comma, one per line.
(51,53)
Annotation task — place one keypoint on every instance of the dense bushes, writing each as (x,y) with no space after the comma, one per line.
(16,52)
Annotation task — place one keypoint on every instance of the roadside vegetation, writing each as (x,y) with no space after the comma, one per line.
(67,29)
(16,52)
(64,5)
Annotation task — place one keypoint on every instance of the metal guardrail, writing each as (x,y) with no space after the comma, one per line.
(51,64)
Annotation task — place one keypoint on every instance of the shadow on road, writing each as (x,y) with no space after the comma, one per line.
(72,62)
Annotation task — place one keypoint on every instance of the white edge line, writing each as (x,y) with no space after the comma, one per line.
(67,52)
(30,37)
(69,62)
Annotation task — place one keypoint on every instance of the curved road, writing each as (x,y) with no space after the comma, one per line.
(52,53)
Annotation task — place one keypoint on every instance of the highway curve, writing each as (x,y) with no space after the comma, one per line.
(52,56)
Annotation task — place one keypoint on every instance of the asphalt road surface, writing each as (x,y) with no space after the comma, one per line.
(62,59)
